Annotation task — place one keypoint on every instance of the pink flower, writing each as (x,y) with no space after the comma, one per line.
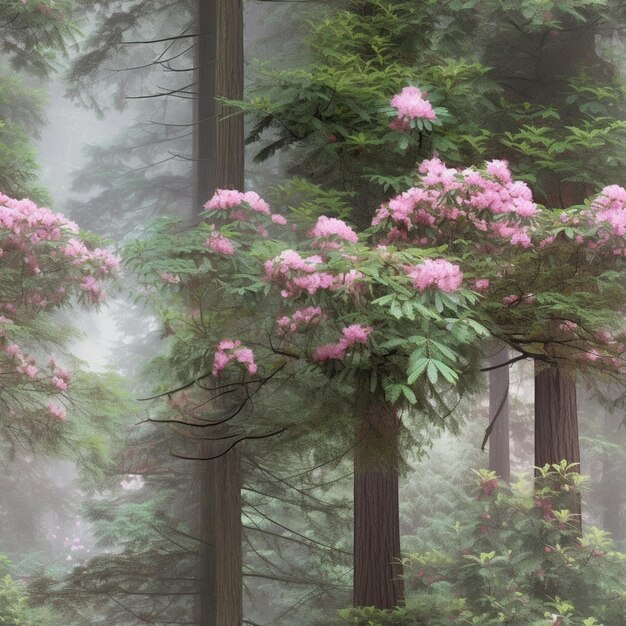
(228,351)
(56,411)
(12,349)
(309,316)
(59,383)
(355,333)
(92,288)
(438,273)
(481,284)
(220,244)
(411,104)
(246,356)
(499,170)
(332,227)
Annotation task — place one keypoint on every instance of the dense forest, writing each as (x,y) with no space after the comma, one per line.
(313,312)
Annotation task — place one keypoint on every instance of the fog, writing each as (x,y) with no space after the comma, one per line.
(353,397)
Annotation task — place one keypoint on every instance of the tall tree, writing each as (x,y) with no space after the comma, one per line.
(219,164)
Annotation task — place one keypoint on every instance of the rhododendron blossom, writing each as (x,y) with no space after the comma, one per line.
(610,207)
(229,351)
(450,203)
(296,275)
(45,264)
(56,411)
(411,104)
(220,244)
(439,273)
(355,333)
(330,227)
(225,199)
(299,319)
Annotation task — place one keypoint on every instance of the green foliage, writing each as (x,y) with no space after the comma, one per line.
(514,557)
(21,118)
(335,111)
(34,33)
(15,609)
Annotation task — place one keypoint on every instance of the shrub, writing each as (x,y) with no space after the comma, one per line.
(516,558)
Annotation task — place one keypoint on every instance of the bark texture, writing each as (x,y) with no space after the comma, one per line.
(377,570)
(221,563)
(556,420)
(499,447)
(220,164)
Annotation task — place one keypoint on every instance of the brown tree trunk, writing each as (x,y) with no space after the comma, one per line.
(499,449)
(377,568)
(220,163)
(556,421)
(220,562)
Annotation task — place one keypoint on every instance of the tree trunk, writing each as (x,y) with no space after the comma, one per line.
(556,421)
(499,450)
(205,110)
(377,567)
(220,562)
(219,164)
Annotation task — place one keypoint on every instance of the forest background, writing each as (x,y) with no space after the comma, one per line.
(290,487)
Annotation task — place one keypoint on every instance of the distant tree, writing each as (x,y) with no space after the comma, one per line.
(34,35)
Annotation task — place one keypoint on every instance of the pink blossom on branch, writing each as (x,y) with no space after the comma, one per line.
(225,199)
(411,104)
(229,351)
(220,244)
(355,333)
(301,318)
(439,273)
(56,411)
(447,203)
(332,228)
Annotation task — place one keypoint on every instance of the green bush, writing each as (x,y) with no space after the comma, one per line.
(14,605)
(516,557)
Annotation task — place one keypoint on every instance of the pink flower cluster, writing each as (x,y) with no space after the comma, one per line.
(229,351)
(331,229)
(35,242)
(410,104)
(21,363)
(297,275)
(309,316)
(220,244)
(56,411)
(439,273)
(609,208)
(60,377)
(225,199)
(447,202)
(353,334)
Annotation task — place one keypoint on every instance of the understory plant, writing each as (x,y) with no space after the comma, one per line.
(513,556)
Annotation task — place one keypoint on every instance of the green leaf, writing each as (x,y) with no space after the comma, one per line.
(432,372)
(408,394)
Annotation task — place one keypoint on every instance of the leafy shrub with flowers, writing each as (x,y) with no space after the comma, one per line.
(46,266)
(514,558)
(399,299)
